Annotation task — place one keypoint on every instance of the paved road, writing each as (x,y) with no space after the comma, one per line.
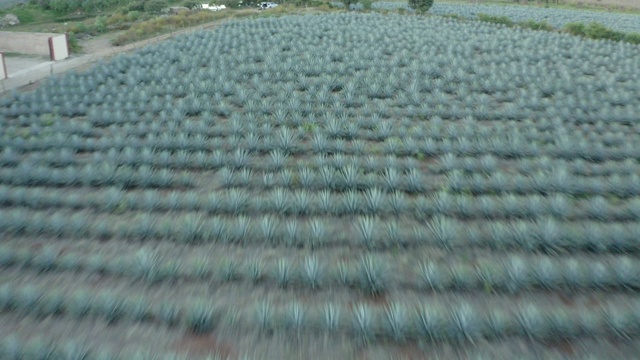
(33,76)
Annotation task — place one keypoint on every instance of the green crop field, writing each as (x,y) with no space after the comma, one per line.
(338,186)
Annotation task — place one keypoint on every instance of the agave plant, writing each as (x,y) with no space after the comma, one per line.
(373,276)
(363,322)
(366,228)
(312,273)
(201,318)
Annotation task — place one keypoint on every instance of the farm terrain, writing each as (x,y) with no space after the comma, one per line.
(344,186)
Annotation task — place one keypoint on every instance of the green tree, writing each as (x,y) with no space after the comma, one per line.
(421,6)
(155,6)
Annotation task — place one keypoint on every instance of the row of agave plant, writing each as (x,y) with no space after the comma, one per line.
(372,274)
(297,108)
(388,175)
(544,234)
(257,155)
(544,182)
(372,201)
(104,174)
(276,160)
(14,347)
(334,122)
(502,145)
(432,320)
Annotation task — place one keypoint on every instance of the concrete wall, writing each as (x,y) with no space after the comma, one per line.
(25,43)
(59,47)
(35,44)
(3,67)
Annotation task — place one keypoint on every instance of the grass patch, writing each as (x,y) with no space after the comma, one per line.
(161,25)
(600,32)
(591,30)
(501,20)
(29,14)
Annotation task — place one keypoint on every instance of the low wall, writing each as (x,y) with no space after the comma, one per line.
(59,47)
(45,44)
(3,67)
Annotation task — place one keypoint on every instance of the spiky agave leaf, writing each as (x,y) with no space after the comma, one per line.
(318,231)
(228,269)
(443,230)
(546,273)
(312,272)
(264,313)
(296,316)
(240,229)
(362,322)
(168,313)
(463,276)
(563,323)
(467,324)
(110,306)
(269,226)
(291,232)
(366,229)
(518,273)
(600,275)
(201,318)
(397,324)
(490,273)
(372,275)
(532,322)
(398,203)
(283,273)
(432,322)
(331,319)
(190,228)
(626,272)
(575,273)
(433,276)
(237,201)
(326,202)
(256,269)
(374,199)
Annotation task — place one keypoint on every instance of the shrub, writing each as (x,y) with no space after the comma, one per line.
(155,6)
(598,31)
(74,46)
(136,6)
(101,24)
(421,6)
(533,25)
(633,38)
(502,20)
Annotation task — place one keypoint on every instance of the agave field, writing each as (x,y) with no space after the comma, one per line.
(555,17)
(327,186)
